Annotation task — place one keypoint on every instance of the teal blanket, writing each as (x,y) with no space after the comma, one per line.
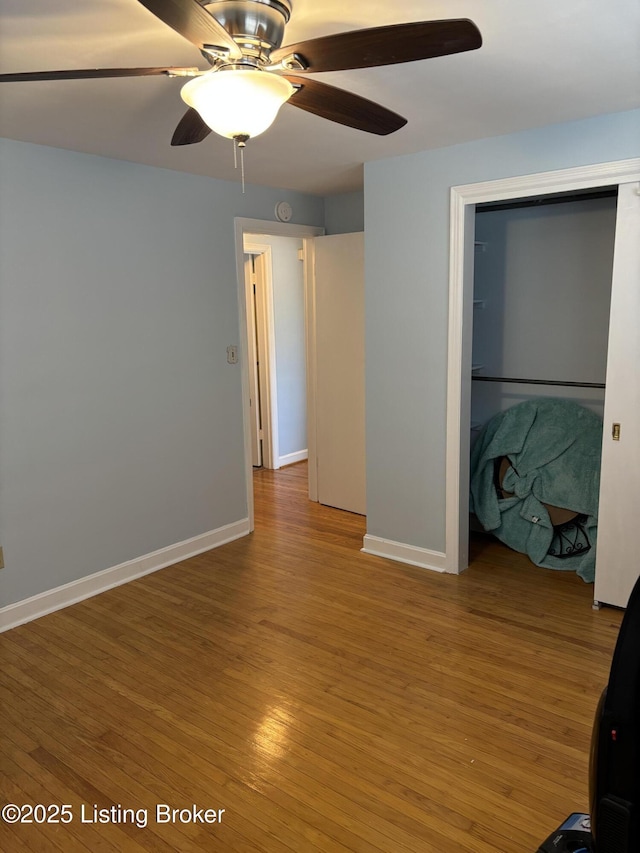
(554,448)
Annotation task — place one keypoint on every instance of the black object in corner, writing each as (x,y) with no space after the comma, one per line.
(614,773)
(614,782)
(574,836)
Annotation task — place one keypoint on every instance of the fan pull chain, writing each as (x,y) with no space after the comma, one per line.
(240,142)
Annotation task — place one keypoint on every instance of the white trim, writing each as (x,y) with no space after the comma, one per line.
(292,458)
(435,561)
(70,593)
(561,180)
(456,391)
(278,229)
(461,293)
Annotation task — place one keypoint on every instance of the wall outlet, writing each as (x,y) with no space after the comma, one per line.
(232,355)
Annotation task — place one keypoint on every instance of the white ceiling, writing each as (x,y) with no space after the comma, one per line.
(541,62)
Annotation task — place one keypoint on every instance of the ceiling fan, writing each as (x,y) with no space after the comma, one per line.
(250,75)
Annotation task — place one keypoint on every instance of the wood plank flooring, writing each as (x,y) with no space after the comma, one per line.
(327,700)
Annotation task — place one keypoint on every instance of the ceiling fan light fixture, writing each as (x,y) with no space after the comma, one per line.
(237,101)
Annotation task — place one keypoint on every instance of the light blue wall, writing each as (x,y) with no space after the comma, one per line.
(543,277)
(406,267)
(120,419)
(344,213)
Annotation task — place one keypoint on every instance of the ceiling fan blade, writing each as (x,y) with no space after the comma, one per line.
(343,107)
(191,128)
(91,73)
(192,21)
(384,45)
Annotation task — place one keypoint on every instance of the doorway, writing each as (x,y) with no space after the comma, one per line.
(463,203)
(276,333)
(334,355)
(246,230)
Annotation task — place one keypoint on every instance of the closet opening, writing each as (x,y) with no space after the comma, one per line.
(542,277)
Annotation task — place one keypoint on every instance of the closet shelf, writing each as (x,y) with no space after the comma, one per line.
(511,380)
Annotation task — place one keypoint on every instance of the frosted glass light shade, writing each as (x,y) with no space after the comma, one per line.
(237,102)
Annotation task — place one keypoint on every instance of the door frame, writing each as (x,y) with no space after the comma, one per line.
(254,228)
(464,199)
(253,360)
(265,350)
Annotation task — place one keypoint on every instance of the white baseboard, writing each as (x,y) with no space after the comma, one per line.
(70,593)
(435,561)
(292,458)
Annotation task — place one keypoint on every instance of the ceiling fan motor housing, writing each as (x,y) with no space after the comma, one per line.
(257,26)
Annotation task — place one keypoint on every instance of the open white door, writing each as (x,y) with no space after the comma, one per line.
(617,565)
(254,385)
(263,402)
(340,411)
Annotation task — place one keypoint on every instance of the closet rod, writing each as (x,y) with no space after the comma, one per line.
(539,382)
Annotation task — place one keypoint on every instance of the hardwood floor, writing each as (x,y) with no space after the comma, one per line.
(325,699)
